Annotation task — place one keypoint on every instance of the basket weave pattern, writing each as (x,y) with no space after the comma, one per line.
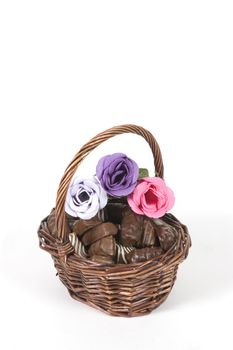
(121,289)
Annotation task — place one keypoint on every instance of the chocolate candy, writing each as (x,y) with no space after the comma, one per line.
(82,226)
(71,221)
(98,236)
(166,234)
(131,228)
(148,238)
(100,231)
(105,246)
(143,254)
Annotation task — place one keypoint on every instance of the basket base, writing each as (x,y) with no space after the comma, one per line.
(126,312)
(125,297)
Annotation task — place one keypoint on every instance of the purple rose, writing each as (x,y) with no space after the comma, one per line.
(117,174)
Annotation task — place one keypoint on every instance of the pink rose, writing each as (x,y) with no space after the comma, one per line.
(151,197)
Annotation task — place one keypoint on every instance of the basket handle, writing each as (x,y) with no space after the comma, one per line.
(84,151)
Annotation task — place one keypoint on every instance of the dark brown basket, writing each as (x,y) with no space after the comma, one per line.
(121,289)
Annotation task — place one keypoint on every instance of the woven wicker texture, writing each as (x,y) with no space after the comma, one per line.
(120,289)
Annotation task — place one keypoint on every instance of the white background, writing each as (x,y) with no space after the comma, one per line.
(70,69)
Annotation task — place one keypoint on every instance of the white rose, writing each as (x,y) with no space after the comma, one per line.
(85,197)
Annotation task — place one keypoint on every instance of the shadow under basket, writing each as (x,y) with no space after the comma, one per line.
(120,289)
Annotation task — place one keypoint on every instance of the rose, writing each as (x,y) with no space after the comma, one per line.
(85,197)
(117,174)
(151,197)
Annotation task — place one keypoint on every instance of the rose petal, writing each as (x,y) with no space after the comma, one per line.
(116,177)
(135,171)
(133,206)
(103,199)
(140,189)
(112,166)
(171,199)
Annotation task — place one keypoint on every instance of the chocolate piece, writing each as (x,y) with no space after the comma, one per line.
(131,228)
(105,260)
(166,234)
(105,246)
(139,255)
(82,226)
(71,221)
(114,212)
(98,232)
(148,238)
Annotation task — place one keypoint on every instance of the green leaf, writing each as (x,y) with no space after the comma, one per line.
(143,172)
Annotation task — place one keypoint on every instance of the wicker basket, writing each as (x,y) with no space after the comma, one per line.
(121,289)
